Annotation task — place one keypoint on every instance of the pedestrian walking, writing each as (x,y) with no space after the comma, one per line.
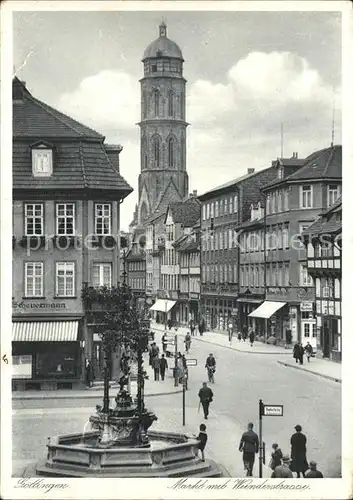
(206,397)
(192,327)
(313,472)
(230,331)
(298,452)
(163,366)
(187,341)
(164,342)
(169,323)
(89,373)
(282,470)
(202,326)
(298,353)
(276,456)
(251,337)
(156,365)
(249,445)
(202,438)
(239,337)
(245,332)
(180,368)
(288,338)
(308,351)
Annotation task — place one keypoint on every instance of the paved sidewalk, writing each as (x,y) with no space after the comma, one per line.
(321,367)
(221,339)
(152,388)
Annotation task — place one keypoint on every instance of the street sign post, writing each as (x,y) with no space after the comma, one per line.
(266,411)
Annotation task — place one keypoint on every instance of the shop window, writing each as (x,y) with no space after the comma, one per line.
(60,362)
(102,219)
(65,219)
(22,366)
(34,219)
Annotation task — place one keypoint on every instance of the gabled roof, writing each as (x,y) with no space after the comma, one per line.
(186,243)
(233,182)
(81,160)
(323,164)
(169,194)
(155,217)
(186,212)
(34,118)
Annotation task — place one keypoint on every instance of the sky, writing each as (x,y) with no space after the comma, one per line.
(247,72)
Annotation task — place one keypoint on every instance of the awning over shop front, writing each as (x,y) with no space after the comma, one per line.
(163,305)
(45,331)
(267,309)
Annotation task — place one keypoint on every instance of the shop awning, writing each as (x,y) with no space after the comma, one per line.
(163,305)
(267,309)
(45,331)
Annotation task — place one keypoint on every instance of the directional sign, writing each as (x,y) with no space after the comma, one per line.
(273,410)
(191,362)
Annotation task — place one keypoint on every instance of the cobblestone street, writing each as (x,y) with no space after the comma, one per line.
(241,380)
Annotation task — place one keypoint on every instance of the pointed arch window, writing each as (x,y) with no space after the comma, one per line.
(144,104)
(171,104)
(156,150)
(171,152)
(156,102)
(144,152)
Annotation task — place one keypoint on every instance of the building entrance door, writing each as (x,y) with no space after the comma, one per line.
(326,338)
(98,360)
(309,333)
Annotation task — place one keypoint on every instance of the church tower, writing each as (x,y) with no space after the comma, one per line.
(163,177)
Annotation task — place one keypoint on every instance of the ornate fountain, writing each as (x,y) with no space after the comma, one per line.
(120,442)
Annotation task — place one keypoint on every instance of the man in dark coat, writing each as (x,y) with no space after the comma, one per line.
(298,353)
(164,342)
(163,366)
(251,337)
(89,374)
(202,326)
(298,452)
(206,397)
(308,351)
(245,332)
(249,445)
(156,365)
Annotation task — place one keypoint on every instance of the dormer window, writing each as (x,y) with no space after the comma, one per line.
(42,160)
(280,173)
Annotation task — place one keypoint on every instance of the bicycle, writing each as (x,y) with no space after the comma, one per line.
(210,373)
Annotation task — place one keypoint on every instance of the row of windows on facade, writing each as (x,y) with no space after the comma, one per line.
(170,281)
(189,284)
(277,274)
(66,219)
(136,266)
(220,273)
(189,260)
(65,278)
(226,206)
(137,283)
(163,65)
(158,103)
(170,258)
(278,201)
(219,240)
(172,144)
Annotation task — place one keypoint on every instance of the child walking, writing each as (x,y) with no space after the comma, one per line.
(202,437)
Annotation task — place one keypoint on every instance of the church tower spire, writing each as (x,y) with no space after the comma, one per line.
(163,173)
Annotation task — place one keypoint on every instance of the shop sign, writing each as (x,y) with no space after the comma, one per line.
(306,306)
(191,362)
(278,291)
(194,295)
(234,311)
(39,305)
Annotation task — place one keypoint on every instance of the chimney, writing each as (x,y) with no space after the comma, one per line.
(295,154)
(251,170)
(194,192)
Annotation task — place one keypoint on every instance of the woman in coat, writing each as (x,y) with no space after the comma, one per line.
(298,353)
(298,452)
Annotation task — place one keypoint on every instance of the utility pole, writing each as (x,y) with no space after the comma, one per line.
(184,388)
(175,360)
(260,437)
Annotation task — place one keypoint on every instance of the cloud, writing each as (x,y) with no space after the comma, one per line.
(235,122)
(109,100)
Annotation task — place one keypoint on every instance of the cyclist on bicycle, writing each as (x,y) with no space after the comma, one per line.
(187,341)
(211,367)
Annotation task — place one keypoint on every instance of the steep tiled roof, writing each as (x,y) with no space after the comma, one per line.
(327,222)
(325,163)
(186,212)
(81,160)
(34,118)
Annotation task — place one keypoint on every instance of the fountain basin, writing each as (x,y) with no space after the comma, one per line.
(167,455)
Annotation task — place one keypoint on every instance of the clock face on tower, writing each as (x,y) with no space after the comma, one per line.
(42,162)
